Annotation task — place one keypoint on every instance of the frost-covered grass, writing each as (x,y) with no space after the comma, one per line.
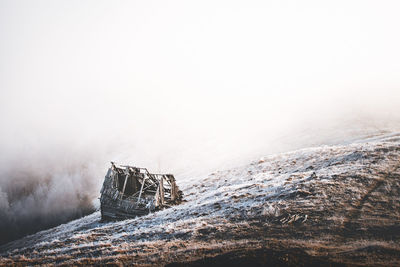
(307,197)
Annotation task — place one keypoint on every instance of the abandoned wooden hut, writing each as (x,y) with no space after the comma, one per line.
(130,191)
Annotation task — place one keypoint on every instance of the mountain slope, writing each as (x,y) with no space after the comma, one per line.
(331,204)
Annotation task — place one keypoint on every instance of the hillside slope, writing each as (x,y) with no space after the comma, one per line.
(331,204)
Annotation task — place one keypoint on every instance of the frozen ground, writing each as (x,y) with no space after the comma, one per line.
(332,204)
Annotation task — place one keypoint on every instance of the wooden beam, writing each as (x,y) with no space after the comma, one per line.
(162,191)
(157,196)
(173,190)
(115,177)
(141,189)
(123,188)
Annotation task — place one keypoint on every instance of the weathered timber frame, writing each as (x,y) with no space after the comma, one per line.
(130,191)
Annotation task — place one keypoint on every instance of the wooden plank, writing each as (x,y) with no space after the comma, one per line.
(157,196)
(141,189)
(162,191)
(123,188)
(173,190)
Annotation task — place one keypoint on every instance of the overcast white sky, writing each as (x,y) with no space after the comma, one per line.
(168,79)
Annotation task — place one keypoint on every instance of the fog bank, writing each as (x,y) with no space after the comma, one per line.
(179,87)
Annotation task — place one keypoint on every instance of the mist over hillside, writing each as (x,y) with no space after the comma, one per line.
(332,205)
(45,185)
(186,88)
